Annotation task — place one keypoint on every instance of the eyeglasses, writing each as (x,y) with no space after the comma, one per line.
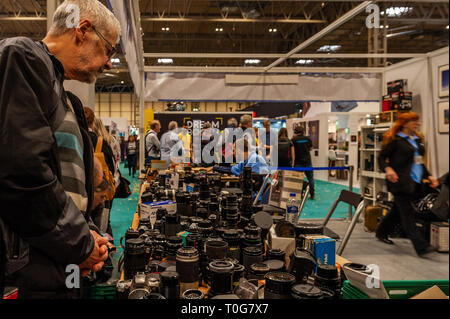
(112,51)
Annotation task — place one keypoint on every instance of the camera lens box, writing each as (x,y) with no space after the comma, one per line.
(324,248)
(146,209)
(439,236)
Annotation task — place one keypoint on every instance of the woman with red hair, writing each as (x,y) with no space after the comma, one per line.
(402,160)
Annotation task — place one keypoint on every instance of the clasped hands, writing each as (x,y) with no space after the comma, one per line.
(98,255)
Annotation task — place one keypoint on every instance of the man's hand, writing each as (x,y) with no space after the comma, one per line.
(391,175)
(433,182)
(98,255)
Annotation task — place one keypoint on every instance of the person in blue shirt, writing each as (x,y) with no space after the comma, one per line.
(250,159)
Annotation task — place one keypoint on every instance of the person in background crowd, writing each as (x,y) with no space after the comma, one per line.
(250,158)
(101,215)
(152,145)
(271,135)
(46,171)
(122,148)
(303,147)
(227,146)
(171,145)
(206,138)
(186,139)
(402,158)
(131,153)
(115,146)
(286,150)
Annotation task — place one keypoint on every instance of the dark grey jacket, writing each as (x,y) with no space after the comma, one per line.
(41,228)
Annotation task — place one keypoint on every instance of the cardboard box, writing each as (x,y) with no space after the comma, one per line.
(323,247)
(439,236)
(147,208)
(431,293)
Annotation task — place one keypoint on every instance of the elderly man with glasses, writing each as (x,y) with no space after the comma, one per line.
(46,160)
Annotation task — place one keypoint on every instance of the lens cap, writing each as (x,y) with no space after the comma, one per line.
(263,220)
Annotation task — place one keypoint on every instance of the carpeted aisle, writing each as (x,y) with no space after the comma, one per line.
(326,194)
(123,209)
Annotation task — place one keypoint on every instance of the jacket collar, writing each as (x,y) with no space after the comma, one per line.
(59,68)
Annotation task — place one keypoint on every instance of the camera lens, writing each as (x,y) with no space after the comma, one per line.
(159,251)
(161,213)
(327,276)
(216,249)
(172,224)
(173,244)
(277,254)
(188,268)
(258,271)
(213,219)
(123,289)
(306,291)
(252,255)
(328,294)
(154,295)
(136,257)
(277,219)
(213,207)
(238,274)
(139,293)
(205,228)
(131,233)
(275,265)
(304,265)
(278,285)
(170,284)
(193,294)
(202,212)
(147,197)
(233,238)
(221,277)
(145,222)
(194,240)
(252,237)
(184,223)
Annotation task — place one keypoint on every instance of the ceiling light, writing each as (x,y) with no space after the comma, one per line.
(303,61)
(252,61)
(115,60)
(109,74)
(382,27)
(446,27)
(122,82)
(165,61)
(394,12)
(329,48)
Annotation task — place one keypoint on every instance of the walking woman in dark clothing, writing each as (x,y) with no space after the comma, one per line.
(402,160)
(131,151)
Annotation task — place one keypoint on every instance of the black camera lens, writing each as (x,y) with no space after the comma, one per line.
(131,233)
(170,284)
(159,225)
(172,224)
(188,267)
(277,254)
(220,231)
(195,240)
(173,244)
(213,207)
(306,291)
(233,238)
(275,265)
(204,189)
(136,257)
(258,271)
(216,249)
(239,271)
(213,219)
(202,212)
(184,223)
(205,228)
(327,276)
(159,251)
(160,213)
(145,222)
(278,285)
(304,265)
(252,255)
(193,294)
(142,230)
(147,197)
(221,277)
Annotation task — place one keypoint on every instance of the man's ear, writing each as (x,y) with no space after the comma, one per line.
(81,31)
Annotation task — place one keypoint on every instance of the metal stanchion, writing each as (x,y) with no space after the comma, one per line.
(350,209)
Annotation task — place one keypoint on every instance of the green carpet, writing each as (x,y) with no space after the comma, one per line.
(325,195)
(123,209)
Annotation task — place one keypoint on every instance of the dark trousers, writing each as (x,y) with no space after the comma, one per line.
(404,211)
(310,177)
(132,160)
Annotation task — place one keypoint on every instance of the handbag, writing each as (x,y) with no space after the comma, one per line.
(123,190)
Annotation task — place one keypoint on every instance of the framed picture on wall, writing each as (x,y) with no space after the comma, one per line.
(443,117)
(443,81)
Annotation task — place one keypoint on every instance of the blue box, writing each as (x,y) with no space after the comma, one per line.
(324,248)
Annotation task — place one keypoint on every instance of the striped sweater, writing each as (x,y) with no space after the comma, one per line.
(70,153)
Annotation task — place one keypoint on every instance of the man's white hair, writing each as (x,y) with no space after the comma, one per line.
(173,125)
(100,16)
